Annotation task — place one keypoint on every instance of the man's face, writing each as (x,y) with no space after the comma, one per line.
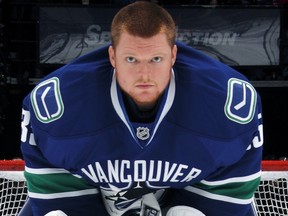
(143,66)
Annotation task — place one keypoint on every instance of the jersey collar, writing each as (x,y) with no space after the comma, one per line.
(115,97)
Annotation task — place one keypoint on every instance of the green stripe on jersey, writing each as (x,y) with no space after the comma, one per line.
(237,190)
(55,183)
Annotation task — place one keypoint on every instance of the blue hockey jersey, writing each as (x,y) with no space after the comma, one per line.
(83,153)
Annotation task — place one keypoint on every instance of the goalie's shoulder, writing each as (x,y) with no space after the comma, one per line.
(64,98)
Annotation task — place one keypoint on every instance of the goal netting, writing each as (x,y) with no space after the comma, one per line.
(13,191)
(271,198)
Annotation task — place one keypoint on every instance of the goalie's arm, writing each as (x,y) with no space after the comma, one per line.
(230,189)
(56,189)
(51,188)
(220,196)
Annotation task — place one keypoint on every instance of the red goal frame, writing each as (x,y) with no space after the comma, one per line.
(267,165)
(12,165)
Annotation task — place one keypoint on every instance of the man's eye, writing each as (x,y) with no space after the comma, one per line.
(130,59)
(156,59)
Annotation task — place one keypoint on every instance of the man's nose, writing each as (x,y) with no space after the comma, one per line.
(145,70)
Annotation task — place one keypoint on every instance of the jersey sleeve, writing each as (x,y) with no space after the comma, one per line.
(53,188)
(230,190)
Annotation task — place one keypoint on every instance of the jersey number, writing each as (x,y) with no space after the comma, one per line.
(25,126)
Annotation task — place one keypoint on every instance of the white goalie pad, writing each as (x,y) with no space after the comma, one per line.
(56,213)
(184,211)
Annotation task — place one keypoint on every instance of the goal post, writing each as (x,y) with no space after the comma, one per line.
(271,197)
(13,191)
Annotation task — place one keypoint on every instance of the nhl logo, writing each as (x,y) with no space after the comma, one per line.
(143,133)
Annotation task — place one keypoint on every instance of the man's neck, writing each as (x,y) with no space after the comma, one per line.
(143,114)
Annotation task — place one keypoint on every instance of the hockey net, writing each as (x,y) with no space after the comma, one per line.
(13,191)
(271,198)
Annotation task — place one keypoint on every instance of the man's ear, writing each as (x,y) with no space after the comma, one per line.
(111,52)
(174,54)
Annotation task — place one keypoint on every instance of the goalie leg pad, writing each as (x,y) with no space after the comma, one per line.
(56,213)
(184,211)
